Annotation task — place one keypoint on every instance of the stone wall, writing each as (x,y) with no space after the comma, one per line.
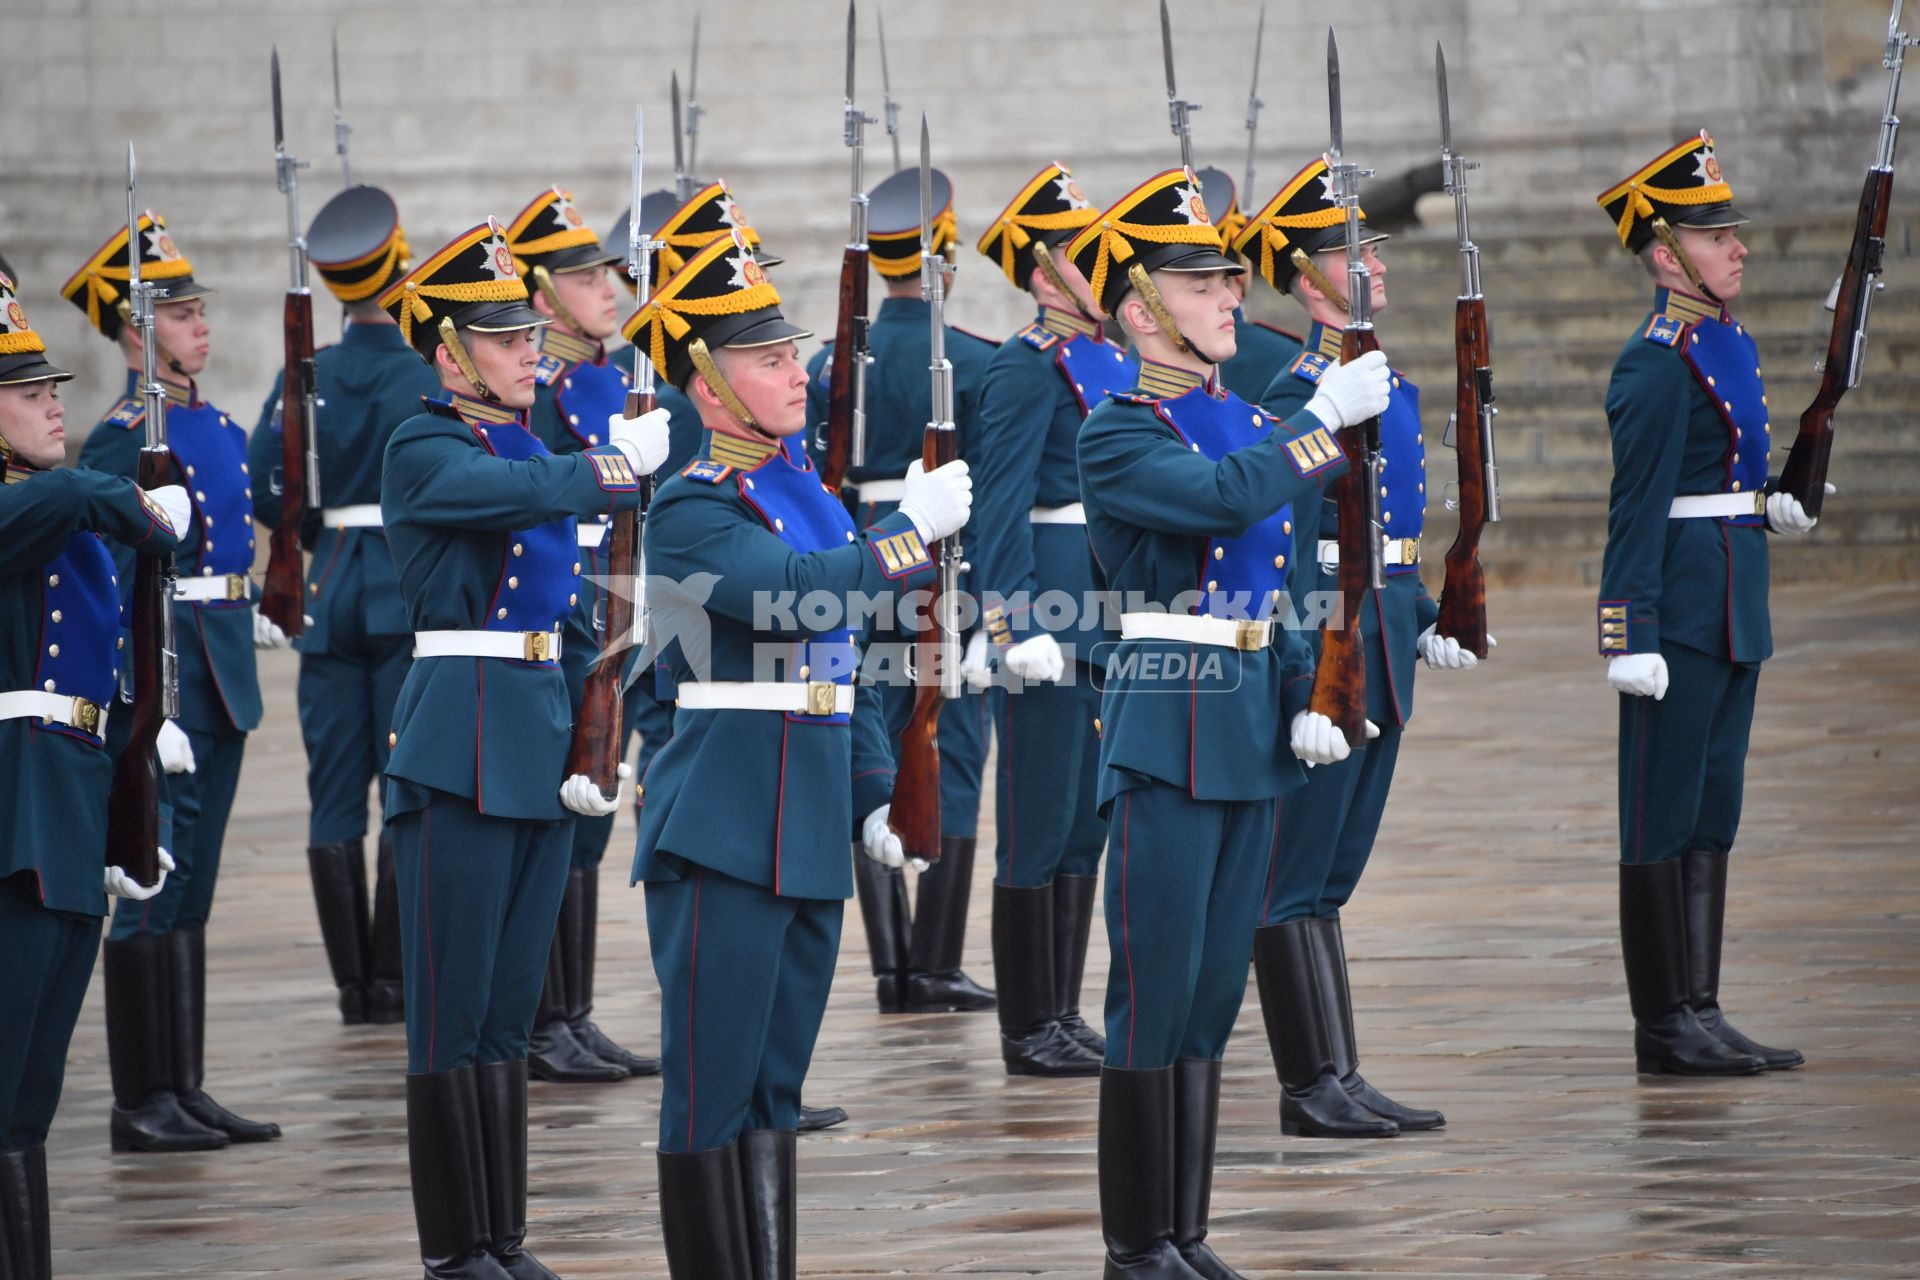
(468,108)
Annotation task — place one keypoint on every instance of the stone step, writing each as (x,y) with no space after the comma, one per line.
(1794,320)
(1548,250)
(1586,473)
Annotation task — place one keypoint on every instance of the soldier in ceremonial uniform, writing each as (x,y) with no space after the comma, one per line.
(1683,618)
(1031,538)
(1260,350)
(60,654)
(155,956)
(1186,488)
(357,646)
(771,771)
(577,389)
(1327,831)
(480,517)
(915,955)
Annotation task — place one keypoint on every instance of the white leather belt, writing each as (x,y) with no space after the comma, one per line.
(364,515)
(589,533)
(1392,551)
(1227,633)
(1072,513)
(881,490)
(224,586)
(1699,505)
(61,708)
(526,646)
(812,698)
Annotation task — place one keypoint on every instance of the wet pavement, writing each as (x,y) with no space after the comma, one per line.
(1486,978)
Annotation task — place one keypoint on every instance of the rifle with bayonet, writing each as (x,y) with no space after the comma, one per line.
(694,110)
(283,602)
(845,444)
(1247,198)
(597,740)
(133,806)
(892,111)
(1179,110)
(1805,475)
(1340,678)
(1463,600)
(341,129)
(936,648)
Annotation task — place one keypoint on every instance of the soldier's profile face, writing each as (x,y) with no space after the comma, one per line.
(30,423)
(771,382)
(590,296)
(1334,263)
(1718,256)
(506,363)
(1202,305)
(182,330)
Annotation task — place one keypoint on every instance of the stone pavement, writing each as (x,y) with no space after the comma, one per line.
(1487,981)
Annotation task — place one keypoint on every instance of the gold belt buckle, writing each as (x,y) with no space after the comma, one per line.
(236,586)
(539,646)
(86,716)
(1250,634)
(1760,502)
(820,698)
(1409,551)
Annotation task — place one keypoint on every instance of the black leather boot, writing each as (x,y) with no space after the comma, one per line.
(1137,1176)
(1667,1036)
(1073,898)
(447,1156)
(26,1242)
(1312,1103)
(1196,1121)
(935,983)
(814,1119)
(386,984)
(1032,1041)
(147,1115)
(1705,877)
(554,1053)
(501,1088)
(703,1214)
(577,934)
(1336,1006)
(339,876)
(883,908)
(187,958)
(767,1182)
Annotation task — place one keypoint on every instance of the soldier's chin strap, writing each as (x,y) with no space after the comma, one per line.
(543,281)
(704,363)
(1303,263)
(458,350)
(1672,241)
(1043,261)
(1150,294)
(125,311)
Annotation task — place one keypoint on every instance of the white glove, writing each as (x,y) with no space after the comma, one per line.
(1786,515)
(643,439)
(1349,394)
(1317,740)
(1443,653)
(974,665)
(1644,675)
(121,885)
(174,748)
(172,499)
(580,794)
(879,841)
(1036,658)
(267,634)
(939,501)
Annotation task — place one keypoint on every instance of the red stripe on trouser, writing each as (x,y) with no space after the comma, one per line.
(426,916)
(1126,932)
(693,970)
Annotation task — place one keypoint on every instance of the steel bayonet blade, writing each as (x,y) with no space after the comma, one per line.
(693,64)
(1893,23)
(1333,92)
(1259,38)
(1166,49)
(1446,114)
(639,186)
(850,35)
(279,133)
(336,69)
(886,77)
(926,185)
(133,228)
(678,161)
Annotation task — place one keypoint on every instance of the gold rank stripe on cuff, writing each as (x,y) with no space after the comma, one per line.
(155,513)
(901,553)
(1313,452)
(614,472)
(997,629)
(1613,627)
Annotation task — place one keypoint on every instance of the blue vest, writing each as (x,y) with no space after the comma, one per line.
(212,456)
(538,590)
(1726,363)
(1242,576)
(1095,369)
(80,627)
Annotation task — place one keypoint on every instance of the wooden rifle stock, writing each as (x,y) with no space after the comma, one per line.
(282,600)
(133,806)
(1805,475)
(916,787)
(1340,678)
(1463,598)
(595,750)
(844,366)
